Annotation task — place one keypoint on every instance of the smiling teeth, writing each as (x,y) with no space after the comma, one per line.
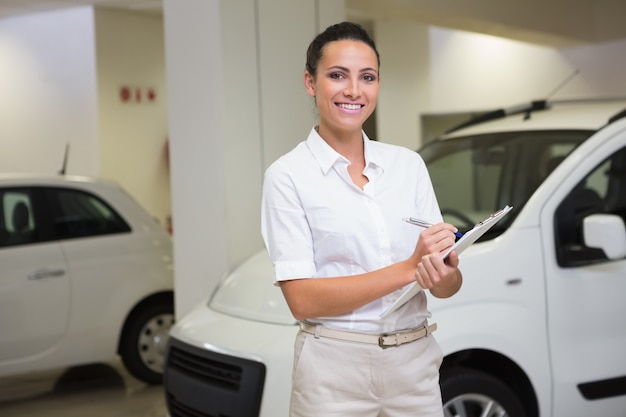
(350,106)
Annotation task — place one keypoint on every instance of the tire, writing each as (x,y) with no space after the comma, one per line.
(144,341)
(470,393)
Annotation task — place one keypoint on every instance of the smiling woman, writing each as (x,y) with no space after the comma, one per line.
(351,234)
(342,76)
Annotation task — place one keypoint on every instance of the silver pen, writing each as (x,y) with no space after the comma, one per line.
(425,224)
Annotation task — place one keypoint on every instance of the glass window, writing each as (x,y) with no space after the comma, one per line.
(603,190)
(17,223)
(80,214)
(474,176)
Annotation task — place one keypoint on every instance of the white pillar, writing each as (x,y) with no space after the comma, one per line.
(196,125)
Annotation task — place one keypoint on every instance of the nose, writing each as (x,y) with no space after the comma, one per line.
(353,89)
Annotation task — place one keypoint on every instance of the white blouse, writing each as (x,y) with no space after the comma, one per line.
(317,223)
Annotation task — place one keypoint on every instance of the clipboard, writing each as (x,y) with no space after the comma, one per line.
(459,246)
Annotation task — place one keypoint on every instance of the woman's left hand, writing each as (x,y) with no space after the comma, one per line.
(442,277)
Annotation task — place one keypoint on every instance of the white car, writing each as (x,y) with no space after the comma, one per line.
(85,274)
(536,330)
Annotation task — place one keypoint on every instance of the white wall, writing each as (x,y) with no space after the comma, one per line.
(602,69)
(473,72)
(130,53)
(405,81)
(48,93)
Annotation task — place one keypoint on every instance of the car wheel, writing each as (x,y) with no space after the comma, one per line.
(470,393)
(144,341)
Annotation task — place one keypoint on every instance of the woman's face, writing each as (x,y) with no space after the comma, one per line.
(345,86)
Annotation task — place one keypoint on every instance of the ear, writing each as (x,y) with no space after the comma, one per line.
(309,84)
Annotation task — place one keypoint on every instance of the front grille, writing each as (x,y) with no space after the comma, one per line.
(177,409)
(210,371)
(204,383)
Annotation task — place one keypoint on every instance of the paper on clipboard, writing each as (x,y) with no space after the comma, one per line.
(463,243)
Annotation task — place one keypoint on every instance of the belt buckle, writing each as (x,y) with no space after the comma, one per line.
(381,341)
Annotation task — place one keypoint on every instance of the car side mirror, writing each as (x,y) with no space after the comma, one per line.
(606,232)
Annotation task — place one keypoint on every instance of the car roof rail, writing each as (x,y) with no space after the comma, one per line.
(529,108)
(533,106)
(617,116)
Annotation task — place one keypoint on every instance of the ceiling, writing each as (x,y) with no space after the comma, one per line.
(14,7)
(555,23)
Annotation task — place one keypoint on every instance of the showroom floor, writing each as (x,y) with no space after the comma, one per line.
(93,391)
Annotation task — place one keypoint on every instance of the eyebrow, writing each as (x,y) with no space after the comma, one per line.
(348,70)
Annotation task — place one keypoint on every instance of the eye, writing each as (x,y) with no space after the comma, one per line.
(369,77)
(335,75)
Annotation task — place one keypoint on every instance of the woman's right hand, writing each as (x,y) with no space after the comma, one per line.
(435,239)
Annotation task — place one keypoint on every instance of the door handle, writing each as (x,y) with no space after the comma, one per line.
(46,273)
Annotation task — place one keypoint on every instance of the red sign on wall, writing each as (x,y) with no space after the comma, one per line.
(137,94)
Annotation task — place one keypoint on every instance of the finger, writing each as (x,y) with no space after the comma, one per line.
(435,268)
(452,259)
(427,273)
(442,235)
(421,276)
(437,242)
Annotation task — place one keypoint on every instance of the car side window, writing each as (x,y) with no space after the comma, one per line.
(603,190)
(77,214)
(17,223)
(493,170)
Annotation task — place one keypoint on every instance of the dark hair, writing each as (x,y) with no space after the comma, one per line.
(337,32)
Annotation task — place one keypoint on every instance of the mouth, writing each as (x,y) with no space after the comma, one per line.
(350,106)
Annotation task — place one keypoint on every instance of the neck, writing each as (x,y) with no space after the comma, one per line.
(348,144)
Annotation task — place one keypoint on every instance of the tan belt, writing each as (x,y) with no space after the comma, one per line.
(384,340)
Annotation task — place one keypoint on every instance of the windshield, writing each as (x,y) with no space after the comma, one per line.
(474,176)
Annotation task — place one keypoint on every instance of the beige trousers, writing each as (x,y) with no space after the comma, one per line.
(334,378)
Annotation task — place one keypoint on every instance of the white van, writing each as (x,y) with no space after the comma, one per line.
(536,330)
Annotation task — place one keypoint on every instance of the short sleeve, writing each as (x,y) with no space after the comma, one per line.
(284,226)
